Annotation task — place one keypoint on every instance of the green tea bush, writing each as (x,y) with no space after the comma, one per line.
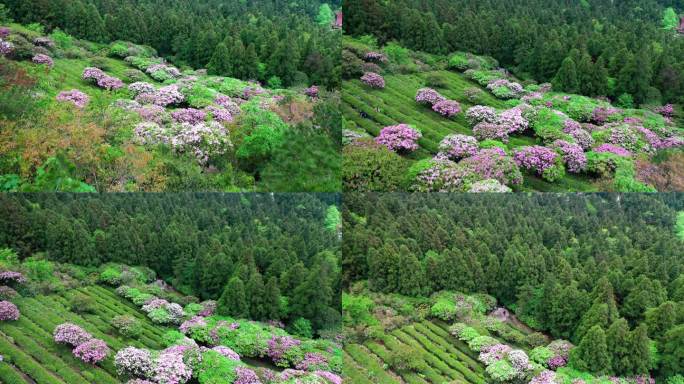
(80,303)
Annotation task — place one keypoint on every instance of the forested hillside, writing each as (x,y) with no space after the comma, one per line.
(281,42)
(602,271)
(277,256)
(628,49)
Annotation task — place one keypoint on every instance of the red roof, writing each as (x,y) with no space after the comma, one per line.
(338,19)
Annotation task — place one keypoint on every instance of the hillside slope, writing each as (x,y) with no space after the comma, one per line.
(524,120)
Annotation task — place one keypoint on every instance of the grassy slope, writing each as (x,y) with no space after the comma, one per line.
(28,344)
(396,104)
(446,359)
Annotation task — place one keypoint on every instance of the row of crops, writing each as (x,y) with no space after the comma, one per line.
(444,358)
(31,356)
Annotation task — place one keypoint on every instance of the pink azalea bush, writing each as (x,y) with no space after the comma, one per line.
(513,119)
(101,79)
(219,114)
(246,376)
(623,136)
(170,369)
(8,311)
(545,377)
(226,352)
(442,175)
(312,361)
(491,354)
(601,115)
(490,131)
(71,334)
(481,113)
(613,149)
(6,47)
(375,56)
(488,186)
(399,138)
(573,155)
(43,59)
(44,41)
(329,376)
(134,362)
(447,108)
(229,104)
(373,80)
(457,146)
(493,163)
(194,322)
(164,96)
(279,348)
(312,91)
(141,87)
(76,97)
(581,136)
(666,110)
(428,96)
(505,89)
(208,308)
(92,351)
(7,277)
(4,32)
(535,158)
(188,115)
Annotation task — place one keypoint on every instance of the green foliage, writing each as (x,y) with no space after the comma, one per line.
(459,61)
(214,368)
(541,355)
(325,15)
(81,303)
(625,100)
(127,326)
(405,359)
(443,309)
(333,218)
(502,371)
(172,337)
(548,126)
(62,39)
(357,310)
(396,53)
(301,327)
(369,167)
(670,19)
(118,49)
(38,269)
(111,275)
(479,342)
(265,132)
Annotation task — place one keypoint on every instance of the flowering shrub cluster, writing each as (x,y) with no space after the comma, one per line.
(71,334)
(78,98)
(440,175)
(246,376)
(170,368)
(601,115)
(102,79)
(141,87)
(281,348)
(582,137)
(229,104)
(8,311)
(85,347)
(44,41)
(373,80)
(573,155)
(537,158)
(505,89)
(457,146)
(447,108)
(610,148)
(545,377)
(92,351)
(226,352)
(513,120)
(491,131)
(375,56)
(493,163)
(312,361)
(312,91)
(196,321)
(489,186)
(43,59)
(399,138)
(623,136)
(219,114)
(134,362)
(428,96)
(162,72)
(481,113)
(189,115)
(8,277)
(6,47)
(4,32)
(203,140)
(666,110)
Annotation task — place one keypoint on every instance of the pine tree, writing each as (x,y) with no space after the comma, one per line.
(592,353)
(640,356)
(596,315)
(672,351)
(566,78)
(618,347)
(659,320)
(233,300)
(272,299)
(255,289)
(220,63)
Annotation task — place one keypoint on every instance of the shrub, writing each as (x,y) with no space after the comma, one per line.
(459,61)
(81,303)
(480,342)
(400,138)
(133,362)
(111,276)
(127,326)
(92,351)
(535,339)
(405,359)
(444,309)
(436,80)
(367,166)
(373,80)
(68,333)
(457,147)
(78,98)
(100,63)
(8,311)
(541,355)
(447,108)
(302,327)
(468,333)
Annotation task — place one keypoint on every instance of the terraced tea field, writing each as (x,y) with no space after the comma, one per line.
(445,358)
(31,356)
(372,109)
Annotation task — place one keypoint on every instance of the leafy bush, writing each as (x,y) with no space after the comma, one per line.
(405,359)
(301,327)
(127,326)
(367,166)
(111,275)
(81,303)
(444,309)
(541,355)
(479,342)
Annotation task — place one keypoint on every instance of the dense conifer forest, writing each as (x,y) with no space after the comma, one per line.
(274,255)
(602,271)
(285,41)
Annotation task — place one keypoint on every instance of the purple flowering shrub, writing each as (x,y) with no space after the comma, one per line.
(447,108)
(373,80)
(76,97)
(545,377)
(480,114)
(312,361)
(8,311)
(229,104)
(134,362)
(513,120)
(494,164)
(375,57)
(284,350)
(614,149)
(428,96)
(312,91)
(189,115)
(505,89)
(457,147)
(226,352)
(581,136)
(92,351)
(101,79)
(439,175)
(245,375)
(170,368)
(491,131)
(71,334)
(163,97)
(666,110)
(12,277)
(541,160)
(194,322)
(43,59)
(491,354)
(399,138)
(624,136)
(489,186)
(221,115)
(6,48)
(573,156)
(141,87)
